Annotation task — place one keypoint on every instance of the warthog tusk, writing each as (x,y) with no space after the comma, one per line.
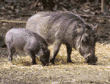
(87,55)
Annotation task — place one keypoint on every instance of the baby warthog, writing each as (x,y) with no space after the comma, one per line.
(27,41)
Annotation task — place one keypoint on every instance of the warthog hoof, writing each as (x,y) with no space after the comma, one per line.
(52,61)
(69,61)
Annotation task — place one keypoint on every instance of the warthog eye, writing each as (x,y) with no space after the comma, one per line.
(85,38)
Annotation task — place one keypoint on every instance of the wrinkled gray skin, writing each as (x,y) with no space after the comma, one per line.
(27,41)
(65,28)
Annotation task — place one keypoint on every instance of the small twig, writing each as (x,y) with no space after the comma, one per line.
(64,8)
(33,5)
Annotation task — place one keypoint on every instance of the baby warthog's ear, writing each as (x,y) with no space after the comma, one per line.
(43,47)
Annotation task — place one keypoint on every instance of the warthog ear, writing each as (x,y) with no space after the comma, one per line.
(79,28)
(95,28)
(43,47)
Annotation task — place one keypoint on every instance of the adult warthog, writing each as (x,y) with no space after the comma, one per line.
(65,28)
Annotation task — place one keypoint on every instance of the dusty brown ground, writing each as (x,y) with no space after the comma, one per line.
(22,72)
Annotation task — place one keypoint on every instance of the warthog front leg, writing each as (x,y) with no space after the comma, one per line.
(31,53)
(56,49)
(69,49)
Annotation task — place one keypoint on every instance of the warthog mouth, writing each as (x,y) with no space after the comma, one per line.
(91,60)
(44,61)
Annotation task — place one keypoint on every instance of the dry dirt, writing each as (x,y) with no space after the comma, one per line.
(20,71)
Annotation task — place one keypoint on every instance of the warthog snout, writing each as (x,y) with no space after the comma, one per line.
(91,60)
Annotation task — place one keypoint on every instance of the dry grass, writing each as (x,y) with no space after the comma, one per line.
(102,52)
(21,71)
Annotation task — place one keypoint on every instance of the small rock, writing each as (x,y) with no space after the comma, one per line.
(4,24)
(56,82)
(17,10)
(2,8)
